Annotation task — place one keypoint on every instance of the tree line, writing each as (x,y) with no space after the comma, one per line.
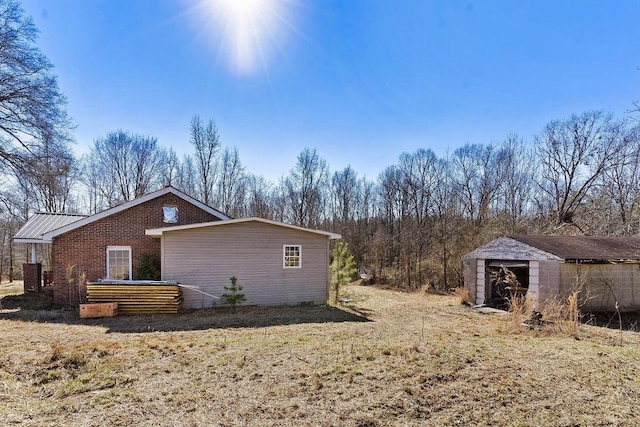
(408,227)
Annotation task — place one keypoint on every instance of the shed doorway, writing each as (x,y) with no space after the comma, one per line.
(504,279)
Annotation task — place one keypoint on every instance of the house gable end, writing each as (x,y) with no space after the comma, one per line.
(81,252)
(216,215)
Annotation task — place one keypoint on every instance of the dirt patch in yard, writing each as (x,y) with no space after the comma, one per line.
(419,359)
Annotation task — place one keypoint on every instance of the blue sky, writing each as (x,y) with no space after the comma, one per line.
(359,80)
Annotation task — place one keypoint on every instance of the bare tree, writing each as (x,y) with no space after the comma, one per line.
(280,204)
(306,188)
(477,173)
(186,180)
(51,171)
(573,154)
(231,184)
(125,166)
(172,165)
(617,188)
(516,186)
(420,174)
(259,197)
(30,103)
(446,215)
(345,193)
(391,228)
(206,140)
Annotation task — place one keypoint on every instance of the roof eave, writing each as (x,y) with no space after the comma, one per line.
(158,232)
(602,261)
(43,241)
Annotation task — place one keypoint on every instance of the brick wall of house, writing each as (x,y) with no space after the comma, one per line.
(81,254)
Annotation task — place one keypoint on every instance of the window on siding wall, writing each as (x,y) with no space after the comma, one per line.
(119,262)
(292,256)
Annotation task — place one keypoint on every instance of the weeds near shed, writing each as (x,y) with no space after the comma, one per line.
(520,309)
(463,294)
(573,314)
(607,283)
(553,315)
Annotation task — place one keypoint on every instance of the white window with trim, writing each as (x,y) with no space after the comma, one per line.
(119,262)
(292,256)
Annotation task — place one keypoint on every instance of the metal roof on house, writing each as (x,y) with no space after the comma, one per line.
(588,248)
(44,222)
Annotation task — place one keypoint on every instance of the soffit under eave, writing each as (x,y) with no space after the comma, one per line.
(36,241)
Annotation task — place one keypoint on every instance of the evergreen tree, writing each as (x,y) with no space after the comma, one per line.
(234,297)
(342,269)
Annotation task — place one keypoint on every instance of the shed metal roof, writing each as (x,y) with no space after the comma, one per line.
(508,248)
(44,222)
(577,248)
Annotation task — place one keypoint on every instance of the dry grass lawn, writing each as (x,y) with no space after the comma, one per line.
(388,358)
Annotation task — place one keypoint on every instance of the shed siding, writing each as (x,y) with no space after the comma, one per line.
(480,281)
(601,285)
(534,280)
(470,267)
(548,279)
(208,257)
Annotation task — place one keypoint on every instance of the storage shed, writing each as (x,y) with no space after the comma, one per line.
(602,269)
(275,263)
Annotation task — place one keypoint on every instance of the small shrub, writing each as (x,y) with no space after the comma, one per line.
(234,297)
(148,267)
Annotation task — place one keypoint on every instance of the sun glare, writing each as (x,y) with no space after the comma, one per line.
(249,31)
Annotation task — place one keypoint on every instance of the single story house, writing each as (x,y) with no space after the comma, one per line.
(196,245)
(275,263)
(604,270)
(108,244)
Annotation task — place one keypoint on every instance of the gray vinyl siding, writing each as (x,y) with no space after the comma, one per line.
(549,280)
(470,272)
(207,257)
(601,285)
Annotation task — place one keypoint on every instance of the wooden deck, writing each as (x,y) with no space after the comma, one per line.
(143,298)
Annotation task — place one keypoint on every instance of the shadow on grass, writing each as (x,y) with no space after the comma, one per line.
(610,320)
(211,318)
